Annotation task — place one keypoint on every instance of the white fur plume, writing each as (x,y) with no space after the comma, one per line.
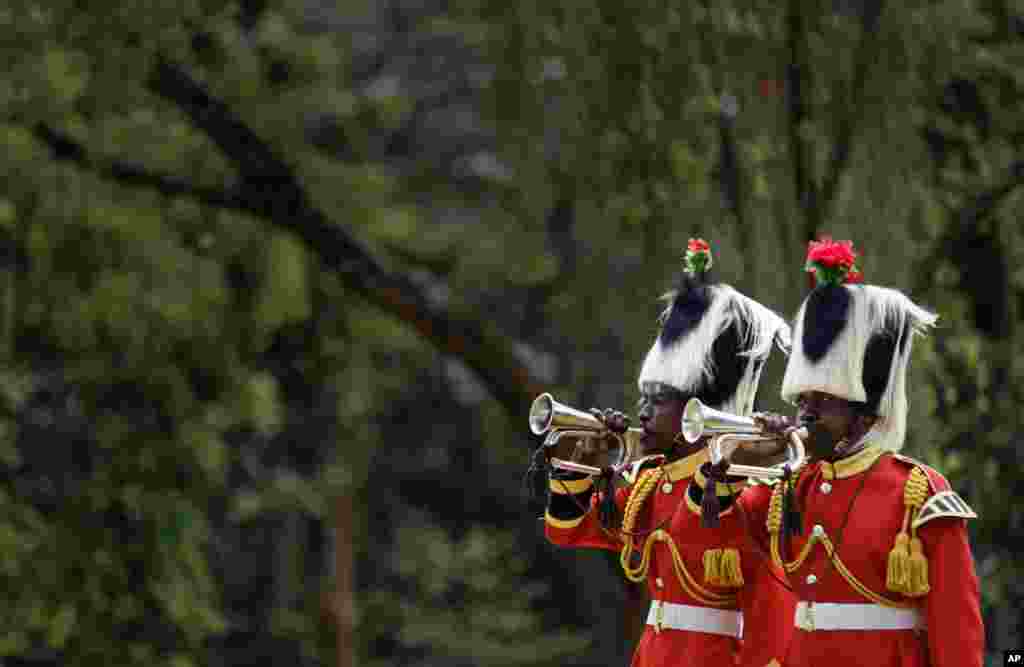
(840,372)
(687,362)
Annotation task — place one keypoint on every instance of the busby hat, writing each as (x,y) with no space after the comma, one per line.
(713,341)
(853,340)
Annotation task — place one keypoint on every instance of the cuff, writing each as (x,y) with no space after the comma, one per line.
(564,524)
(569,500)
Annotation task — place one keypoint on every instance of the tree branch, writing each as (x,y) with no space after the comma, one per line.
(64,148)
(803,178)
(270,189)
(849,106)
(273,187)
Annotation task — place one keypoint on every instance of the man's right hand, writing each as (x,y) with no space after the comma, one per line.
(600,448)
(774,423)
(614,421)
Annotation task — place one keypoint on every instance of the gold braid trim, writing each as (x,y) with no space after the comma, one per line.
(722,568)
(696,509)
(686,580)
(774,522)
(570,486)
(721,488)
(637,497)
(907,571)
(774,525)
(841,568)
(564,524)
(645,484)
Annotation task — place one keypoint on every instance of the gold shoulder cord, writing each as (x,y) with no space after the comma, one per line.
(647,482)
(637,497)
(907,572)
(774,524)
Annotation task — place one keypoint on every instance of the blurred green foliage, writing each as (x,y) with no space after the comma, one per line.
(185,389)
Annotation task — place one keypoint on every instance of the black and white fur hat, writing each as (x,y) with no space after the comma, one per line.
(713,342)
(854,342)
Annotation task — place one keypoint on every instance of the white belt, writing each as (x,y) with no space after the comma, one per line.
(835,616)
(695,619)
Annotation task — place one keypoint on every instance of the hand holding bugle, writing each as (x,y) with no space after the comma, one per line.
(733,436)
(601,439)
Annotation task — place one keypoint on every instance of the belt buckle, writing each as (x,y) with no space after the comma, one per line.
(659,616)
(805,618)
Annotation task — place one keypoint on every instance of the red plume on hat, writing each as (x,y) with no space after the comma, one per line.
(832,262)
(697,260)
(853,340)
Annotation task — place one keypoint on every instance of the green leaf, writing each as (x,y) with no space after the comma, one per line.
(66,73)
(62,625)
(534,269)
(13,642)
(211,453)
(259,403)
(395,224)
(8,213)
(247,505)
(285,297)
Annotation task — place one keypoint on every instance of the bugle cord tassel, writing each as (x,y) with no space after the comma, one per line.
(710,507)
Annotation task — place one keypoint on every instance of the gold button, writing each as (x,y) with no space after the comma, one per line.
(818,531)
(666,487)
(826,488)
(659,583)
(811,579)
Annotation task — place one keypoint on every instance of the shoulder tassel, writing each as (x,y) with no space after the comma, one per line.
(907,572)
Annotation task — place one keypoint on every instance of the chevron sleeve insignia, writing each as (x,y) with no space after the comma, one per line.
(943,504)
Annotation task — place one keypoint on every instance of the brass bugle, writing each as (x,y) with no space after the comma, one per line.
(729,432)
(556,420)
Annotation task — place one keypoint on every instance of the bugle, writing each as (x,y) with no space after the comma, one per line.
(556,420)
(730,432)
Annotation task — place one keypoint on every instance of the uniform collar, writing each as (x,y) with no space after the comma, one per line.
(686,467)
(851,465)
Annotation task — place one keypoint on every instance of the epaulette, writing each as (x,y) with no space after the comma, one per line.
(945,503)
(907,570)
(903,458)
(908,460)
(914,464)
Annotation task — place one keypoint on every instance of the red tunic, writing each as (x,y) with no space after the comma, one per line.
(766,605)
(858,503)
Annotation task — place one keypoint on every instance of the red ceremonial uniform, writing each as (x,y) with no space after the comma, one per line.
(686,571)
(857,508)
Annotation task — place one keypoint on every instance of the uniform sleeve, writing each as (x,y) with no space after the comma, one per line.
(767,602)
(768,609)
(753,505)
(571,518)
(956,635)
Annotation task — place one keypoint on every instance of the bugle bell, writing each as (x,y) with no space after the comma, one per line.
(556,420)
(729,432)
